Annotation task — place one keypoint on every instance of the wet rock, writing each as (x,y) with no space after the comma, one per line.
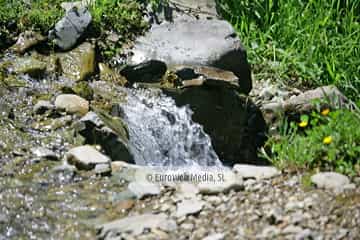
(109,132)
(42,106)
(84,90)
(224,182)
(27,40)
(330,180)
(215,107)
(72,104)
(42,152)
(86,157)
(79,63)
(203,42)
(208,76)
(29,65)
(136,225)
(147,71)
(144,189)
(189,207)
(108,74)
(71,27)
(257,172)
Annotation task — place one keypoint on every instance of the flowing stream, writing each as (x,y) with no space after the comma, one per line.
(163,134)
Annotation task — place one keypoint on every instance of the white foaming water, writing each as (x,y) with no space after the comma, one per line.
(162,134)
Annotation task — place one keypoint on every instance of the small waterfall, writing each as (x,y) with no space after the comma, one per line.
(162,134)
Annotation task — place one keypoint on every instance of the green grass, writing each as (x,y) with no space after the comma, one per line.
(122,16)
(330,142)
(303,43)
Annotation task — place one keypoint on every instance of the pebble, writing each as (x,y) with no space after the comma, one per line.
(330,180)
(257,172)
(72,104)
(217,236)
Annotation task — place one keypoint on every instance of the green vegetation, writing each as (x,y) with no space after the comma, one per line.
(304,43)
(327,141)
(122,16)
(40,15)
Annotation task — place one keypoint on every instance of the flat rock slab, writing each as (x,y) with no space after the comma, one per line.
(144,189)
(224,182)
(136,225)
(257,172)
(330,180)
(195,42)
(86,157)
(189,207)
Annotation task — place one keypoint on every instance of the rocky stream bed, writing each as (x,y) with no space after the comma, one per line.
(81,142)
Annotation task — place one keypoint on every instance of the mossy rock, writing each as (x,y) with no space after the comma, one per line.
(84,90)
(79,63)
(108,74)
(29,65)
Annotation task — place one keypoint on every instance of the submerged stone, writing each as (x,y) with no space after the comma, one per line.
(29,65)
(108,74)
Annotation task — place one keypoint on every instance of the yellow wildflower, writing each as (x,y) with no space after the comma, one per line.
(303,124)
(327,140)
(325,112)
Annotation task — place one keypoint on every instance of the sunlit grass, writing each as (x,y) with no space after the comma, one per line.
(301,43)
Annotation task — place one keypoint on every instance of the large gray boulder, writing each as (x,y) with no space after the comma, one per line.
(195,42)
(71,27)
